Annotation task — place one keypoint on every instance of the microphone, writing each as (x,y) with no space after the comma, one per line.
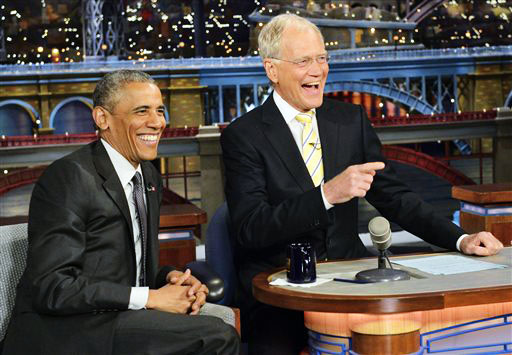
(316,146)
(380,232)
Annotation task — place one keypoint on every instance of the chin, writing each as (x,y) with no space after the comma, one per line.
(151,157)
(148,156)
(316,103)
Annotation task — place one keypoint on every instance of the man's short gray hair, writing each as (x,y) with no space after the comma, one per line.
(108,90)
(269,39)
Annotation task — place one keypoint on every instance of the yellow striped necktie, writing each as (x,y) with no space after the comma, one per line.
(311,148)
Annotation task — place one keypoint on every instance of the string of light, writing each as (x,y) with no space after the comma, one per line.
(154,29)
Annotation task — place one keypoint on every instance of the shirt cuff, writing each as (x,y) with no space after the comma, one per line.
(138,298)
(326,203)
(460,240)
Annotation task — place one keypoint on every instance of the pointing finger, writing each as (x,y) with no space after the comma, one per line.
(371,167)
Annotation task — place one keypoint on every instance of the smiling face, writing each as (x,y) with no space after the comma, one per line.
(136,122)
(302,88)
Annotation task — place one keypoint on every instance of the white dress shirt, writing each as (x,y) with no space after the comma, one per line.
(288,112)
(125,171)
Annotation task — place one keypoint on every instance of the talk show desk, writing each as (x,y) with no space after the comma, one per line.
(427,312)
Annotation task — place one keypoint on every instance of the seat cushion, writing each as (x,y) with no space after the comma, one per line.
(225,313)
(13,256)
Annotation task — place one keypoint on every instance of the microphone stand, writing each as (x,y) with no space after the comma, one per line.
(382,259)
(382,273)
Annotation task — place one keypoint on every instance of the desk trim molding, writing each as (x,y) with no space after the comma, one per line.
(376,304)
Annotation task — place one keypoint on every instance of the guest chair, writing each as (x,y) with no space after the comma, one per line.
(13,255)
(219,246)
(219,260)
(219,253)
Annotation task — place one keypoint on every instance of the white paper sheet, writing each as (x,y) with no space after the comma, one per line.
(283,282)
(448,264)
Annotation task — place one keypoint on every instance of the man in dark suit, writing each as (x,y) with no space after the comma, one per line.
(92,284)
(294,169)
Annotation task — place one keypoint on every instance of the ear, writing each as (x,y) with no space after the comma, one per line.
(99,114)
(271,70)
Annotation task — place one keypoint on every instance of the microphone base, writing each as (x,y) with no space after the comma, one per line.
(382,275)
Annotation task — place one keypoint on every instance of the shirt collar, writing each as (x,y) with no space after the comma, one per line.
(124,169)
(287,110)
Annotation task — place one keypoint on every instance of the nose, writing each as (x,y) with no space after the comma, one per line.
(316,69)
(156,120)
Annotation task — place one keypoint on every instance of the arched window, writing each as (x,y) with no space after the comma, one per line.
(508,101)
(17,118)
(72,115)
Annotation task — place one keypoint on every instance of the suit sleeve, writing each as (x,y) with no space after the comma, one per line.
(260,219)
(395,201)
(62,279)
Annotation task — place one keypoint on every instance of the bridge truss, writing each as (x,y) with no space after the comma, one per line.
(421,80)
(432,85)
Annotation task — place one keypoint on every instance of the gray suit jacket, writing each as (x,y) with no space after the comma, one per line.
(81,257)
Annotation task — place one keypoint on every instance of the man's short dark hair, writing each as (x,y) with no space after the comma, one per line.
(107,91)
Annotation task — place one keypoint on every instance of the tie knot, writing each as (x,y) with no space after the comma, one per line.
(306,117)
(137,179)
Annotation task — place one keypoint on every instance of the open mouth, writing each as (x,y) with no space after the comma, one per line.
(148,138)
(311,86)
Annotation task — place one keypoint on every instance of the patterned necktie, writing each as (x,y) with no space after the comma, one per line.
(140,209)
(311,148)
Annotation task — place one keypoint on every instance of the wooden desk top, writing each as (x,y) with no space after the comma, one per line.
(423,292)
(181,215)
(484,194)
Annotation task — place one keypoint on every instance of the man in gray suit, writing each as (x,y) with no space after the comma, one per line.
(92,283)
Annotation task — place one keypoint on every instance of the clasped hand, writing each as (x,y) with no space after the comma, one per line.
(183,294)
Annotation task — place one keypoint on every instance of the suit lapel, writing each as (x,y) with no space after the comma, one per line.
(151,200)
(281,139)
(111,184)
(328,131)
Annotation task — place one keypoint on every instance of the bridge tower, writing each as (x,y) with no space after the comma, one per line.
(103,29)
(93,29)
(199,28)
(114,27)
(3,52)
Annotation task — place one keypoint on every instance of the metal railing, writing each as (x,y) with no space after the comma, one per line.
(14,141)
(337,56)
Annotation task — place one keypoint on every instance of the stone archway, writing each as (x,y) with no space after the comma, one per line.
(72,115)
(508,101)
(20,118)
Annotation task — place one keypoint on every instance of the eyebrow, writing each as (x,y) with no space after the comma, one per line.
(140,107)
(146,107)
(314,56)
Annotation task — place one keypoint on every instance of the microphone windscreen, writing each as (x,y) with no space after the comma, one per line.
(378,226)
(380,232)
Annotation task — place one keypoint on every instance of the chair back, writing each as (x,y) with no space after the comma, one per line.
(13,258)
(219,251)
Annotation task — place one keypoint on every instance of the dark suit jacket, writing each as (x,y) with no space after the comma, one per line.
(272,200)
(81,257)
